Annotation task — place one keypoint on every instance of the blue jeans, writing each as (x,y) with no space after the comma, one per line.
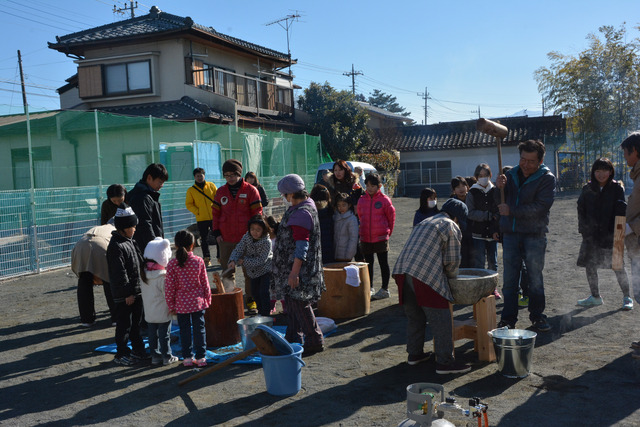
(159,339)
(516,248)
(185,321)
(484,250)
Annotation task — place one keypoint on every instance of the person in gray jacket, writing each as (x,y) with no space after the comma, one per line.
(345,229)
(529,191)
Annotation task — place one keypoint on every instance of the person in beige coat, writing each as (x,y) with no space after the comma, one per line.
(89,263)
(631,147)
(199,200)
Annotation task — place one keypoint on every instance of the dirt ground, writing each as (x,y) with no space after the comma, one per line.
(582,371)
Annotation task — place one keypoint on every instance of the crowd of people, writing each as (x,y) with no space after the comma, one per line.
(340,221)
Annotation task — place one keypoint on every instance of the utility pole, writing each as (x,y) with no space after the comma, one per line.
(288,22)
(353,75)
(477,111)
(24,91)
(425,96)
(125,8)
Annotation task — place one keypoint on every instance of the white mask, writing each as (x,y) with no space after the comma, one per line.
(432,203)
(285,202)
(483,181)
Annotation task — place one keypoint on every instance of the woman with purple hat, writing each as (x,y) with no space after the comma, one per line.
(297,275)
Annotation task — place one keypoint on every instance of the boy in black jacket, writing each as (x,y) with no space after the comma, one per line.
(124,260)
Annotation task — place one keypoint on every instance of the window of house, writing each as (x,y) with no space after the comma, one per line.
(426,173)
(134,166)
(42,168)
(131,77)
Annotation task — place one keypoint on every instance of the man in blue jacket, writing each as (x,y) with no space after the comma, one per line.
(529,189)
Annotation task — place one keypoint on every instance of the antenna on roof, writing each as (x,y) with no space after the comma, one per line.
(122,10)
(288,22)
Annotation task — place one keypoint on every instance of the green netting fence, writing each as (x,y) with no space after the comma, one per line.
(50,198)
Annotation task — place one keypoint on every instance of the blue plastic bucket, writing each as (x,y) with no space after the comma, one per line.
(283,374)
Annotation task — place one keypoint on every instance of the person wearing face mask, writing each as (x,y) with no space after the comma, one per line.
(459,191)
(483,221)
(428,205)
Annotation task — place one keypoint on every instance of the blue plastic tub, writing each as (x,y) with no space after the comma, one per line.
(283,374)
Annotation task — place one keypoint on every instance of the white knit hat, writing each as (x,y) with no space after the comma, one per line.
(158,250)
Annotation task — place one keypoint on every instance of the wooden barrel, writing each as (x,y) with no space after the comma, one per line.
(342,301)
(220,319)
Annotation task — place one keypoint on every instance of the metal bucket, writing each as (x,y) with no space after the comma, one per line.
(247,325)
(514,351)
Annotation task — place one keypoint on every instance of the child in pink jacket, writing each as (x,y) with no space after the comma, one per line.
(188,294)
(377,218)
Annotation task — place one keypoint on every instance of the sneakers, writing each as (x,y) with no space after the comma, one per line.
(156,361)
(504,323)
(523,301)
(252,307)
(140,356)
(124,361)
(169,361)
(381,294)
(372,291)
(207,261)
(414,359)
(591,301)
(636,354)
(627,303)
(541,324)
(454,368)
(497,294)
(312,349)
(188,362)
(201,363)
(635,345)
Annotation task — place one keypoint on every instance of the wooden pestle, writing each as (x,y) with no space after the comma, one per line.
(218,281)
(263,344)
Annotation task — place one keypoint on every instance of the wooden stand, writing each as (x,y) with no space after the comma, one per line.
(484,320)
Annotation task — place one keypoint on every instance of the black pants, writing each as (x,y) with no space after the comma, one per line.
(86,302)
(260,293)
(203,228)
(128,327)
(384,268)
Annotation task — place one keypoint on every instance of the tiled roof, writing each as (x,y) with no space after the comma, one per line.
(383,112)
(156,23)
(184,109)
(454,135)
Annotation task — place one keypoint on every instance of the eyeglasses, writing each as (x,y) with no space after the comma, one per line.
(229,175)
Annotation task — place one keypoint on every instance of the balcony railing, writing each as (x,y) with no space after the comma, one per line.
(247,91)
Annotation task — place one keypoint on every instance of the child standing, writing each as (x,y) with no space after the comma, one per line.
(599,203)
(188,294)
(273,231)
(377,218)
(345,229)
(156,312)
(428,205)
(253,252)
(124,260)
(459,190)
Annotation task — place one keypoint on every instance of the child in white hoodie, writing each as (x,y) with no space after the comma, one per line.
(345,229)
(156,312)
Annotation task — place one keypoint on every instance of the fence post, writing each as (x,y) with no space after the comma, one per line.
(305,154)
(32,193)
(195,125)
(153,154)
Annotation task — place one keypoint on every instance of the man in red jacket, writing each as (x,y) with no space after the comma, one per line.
(233,205)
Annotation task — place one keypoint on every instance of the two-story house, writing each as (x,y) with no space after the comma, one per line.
(168,66)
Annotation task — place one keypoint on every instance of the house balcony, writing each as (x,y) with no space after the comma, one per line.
(251,94)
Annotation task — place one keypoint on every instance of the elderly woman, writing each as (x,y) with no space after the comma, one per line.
(89,263)
(297,265)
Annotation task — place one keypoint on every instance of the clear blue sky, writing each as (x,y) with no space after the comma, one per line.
(468,53)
